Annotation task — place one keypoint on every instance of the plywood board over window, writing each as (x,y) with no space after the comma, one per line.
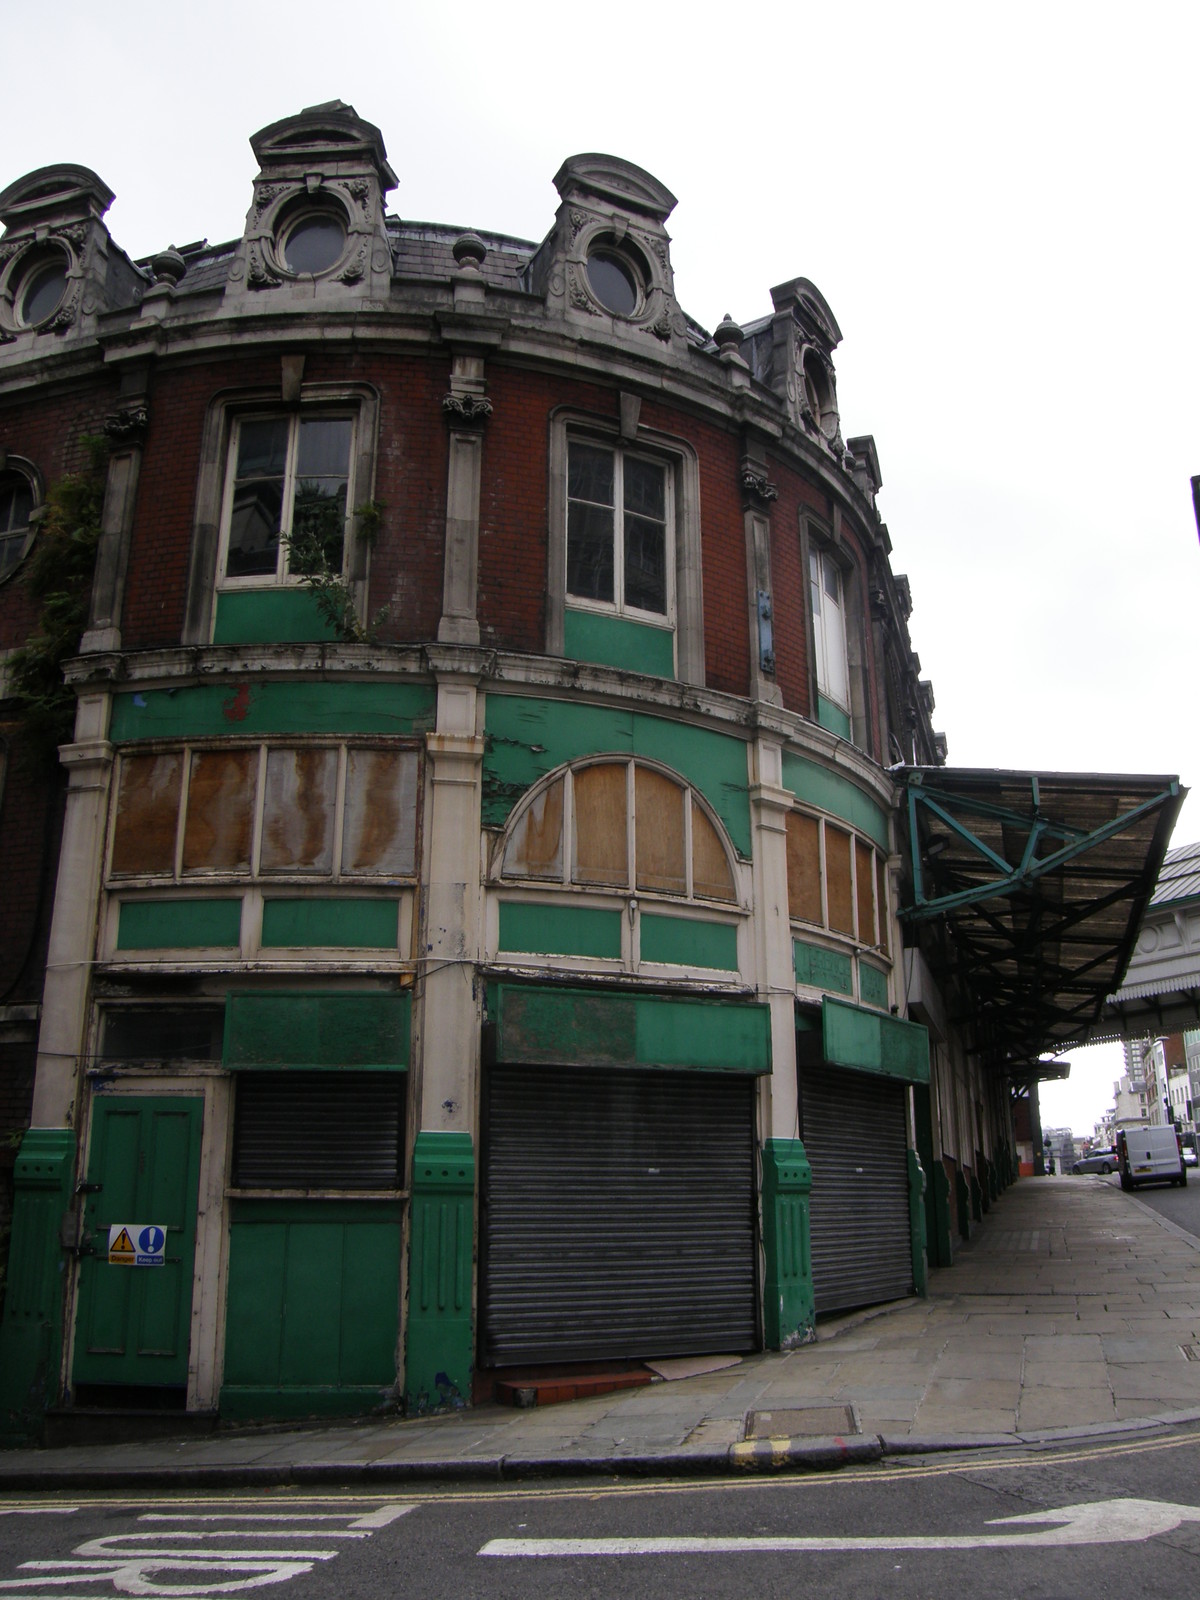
(379,833)
(601,829)
(839,894)
(836,880)
(864,888)
(299,802)
(804,867)
(712,877)
(534,848)
(661,854)
(220,811)
(148,795)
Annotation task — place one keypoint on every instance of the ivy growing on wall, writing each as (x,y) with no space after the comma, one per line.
(315,554)
(58,575)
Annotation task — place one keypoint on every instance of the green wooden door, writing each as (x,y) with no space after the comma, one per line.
(132,1323)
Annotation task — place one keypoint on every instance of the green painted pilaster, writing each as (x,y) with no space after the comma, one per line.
(788,1310)
(976,1199)
(31,1334)
(962,1197)
(943,1250)
(440,1343)
(916,1222)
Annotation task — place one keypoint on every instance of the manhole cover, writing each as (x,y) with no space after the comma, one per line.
(786,1424)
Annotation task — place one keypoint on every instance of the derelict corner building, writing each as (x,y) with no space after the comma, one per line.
(510,905)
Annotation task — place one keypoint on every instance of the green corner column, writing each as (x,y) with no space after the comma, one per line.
(962,1200)
(440,1341)
(788,1310)
(31,1333)
(940,1197)
(916,1220)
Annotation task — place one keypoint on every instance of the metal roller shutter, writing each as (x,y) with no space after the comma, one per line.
(855,1133)
(618,1215)
(318,1130)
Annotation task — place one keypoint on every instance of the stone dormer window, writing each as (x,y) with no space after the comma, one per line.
(318,207)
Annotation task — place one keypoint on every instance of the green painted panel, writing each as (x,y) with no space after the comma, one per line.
(579,1027)
(832,717)
(179,924)
(618,642)
(440,1342)
(342,923)
(788,1303)
(819,968)
(527,737)
(270,616)
(31,1332)
(251,708)
(313,1305)
(562,930)
(366,1032)
(689,942)
(870,1042)
(831,792)
(872,986)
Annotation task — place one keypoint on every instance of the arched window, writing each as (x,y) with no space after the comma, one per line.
(624,825)
(17,501)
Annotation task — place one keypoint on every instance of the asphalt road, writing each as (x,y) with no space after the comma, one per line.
(1115,1519)
(1181,1206)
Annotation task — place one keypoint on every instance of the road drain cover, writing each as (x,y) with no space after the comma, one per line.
(787,1424)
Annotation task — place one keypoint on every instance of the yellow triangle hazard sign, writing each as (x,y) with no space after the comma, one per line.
(122,1245)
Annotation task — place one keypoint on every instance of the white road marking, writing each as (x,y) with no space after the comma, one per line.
(1094,1522)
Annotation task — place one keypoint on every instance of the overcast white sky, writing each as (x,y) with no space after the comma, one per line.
(998,202)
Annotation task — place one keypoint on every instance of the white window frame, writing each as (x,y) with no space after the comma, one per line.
(17,467)
(684,567)
(828,614)
(618,605)
(282,575)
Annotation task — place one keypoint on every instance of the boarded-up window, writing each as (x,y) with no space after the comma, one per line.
(804,867)
(534,849)
(298,810)
(864,887)
(712,878)
(659,824)
(881,902)
(220,811)
(380,830)
(147,813)
(601,844)
(837,880)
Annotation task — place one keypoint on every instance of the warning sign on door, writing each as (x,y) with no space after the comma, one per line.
(136,1244)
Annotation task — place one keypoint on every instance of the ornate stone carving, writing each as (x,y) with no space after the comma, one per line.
(662,328)
(356,266)
(580,298)
(267,194)
(758,487)
(127,426)
(258,274)
(359,189)
(466,410)
(578,221)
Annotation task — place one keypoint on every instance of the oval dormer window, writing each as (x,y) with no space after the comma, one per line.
(613,282)
(42,290)
(313,243)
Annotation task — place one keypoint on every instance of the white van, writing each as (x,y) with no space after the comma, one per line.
(1149,1155)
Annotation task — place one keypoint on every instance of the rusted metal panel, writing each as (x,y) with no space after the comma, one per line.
(712,877)
(804,867)
(298,810)
(601,847)
(220,811)
(838,889)
(147,813)
(379,832)
(864,889)
(659,823)
(535,847)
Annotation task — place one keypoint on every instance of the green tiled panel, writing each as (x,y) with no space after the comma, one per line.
(819,968)
(250,708)
(560,930)
(852,1037)
(832,717)
(618,642)
(287,615)
(689,942)
(317,1030)
(179,924)
(831,792)
(331,923)
(872,986)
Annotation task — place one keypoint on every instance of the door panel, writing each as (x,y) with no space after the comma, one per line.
(133,1323)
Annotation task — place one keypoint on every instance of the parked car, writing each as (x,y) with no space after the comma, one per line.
(1145,1155)
(1097,1161)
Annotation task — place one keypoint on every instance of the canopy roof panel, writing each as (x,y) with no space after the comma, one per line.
(1032,886)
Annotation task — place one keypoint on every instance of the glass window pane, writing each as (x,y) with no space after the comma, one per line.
(44,290)
(220,811)
(534,849)
(379,828)
(658,823)
(254,528)
(590,474)
(318,525)
(298,810)
(16,504)
(324,449)
(262,447)
(147,813)
(837,879)
(804,867)
(314,244)
(645,488)
(589,552)
(612,283)
(833,586)
(864,889)
(712,877)
(601,846)
(645,565)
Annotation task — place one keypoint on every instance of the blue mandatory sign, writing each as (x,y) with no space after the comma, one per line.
(150,1242)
